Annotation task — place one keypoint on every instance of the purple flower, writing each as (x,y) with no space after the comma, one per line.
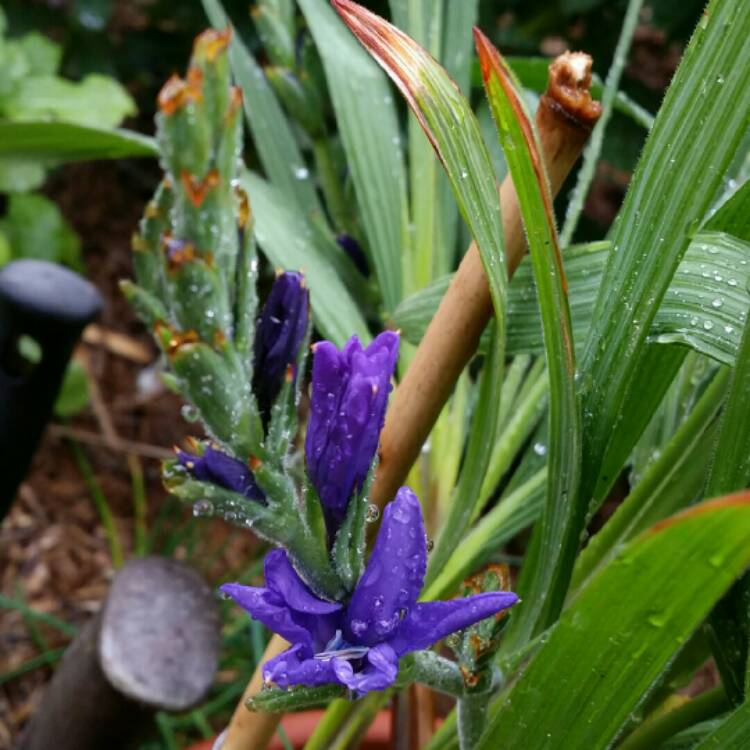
(349,395)
(358,643)
(278,335)
(218,468)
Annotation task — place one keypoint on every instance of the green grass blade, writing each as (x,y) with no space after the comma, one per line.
(706,299)
(669,483)
(510,516)
(545,576)
(730,470)
(58,142)
(269,127)
(610,647)
(452,128)
(478,454)
(288,241)
(708,102)
(366,117)
(731,734)
(596,141)
(733,215)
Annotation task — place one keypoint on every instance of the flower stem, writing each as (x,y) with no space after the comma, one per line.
(472,718)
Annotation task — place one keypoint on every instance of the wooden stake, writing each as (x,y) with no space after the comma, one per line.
(564,120)
(154,645)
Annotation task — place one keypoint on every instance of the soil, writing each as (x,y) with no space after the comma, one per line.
(54,553)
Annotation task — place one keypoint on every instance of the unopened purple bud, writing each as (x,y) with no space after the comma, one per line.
(355,252)
(280,330)
(347,409)
(217,467)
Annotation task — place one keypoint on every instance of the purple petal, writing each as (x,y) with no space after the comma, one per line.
(295,666)
(282,578)
(381,670)
(269,608)
(428,622)
(219,468)
(279,332)
(349,397)
(391,583)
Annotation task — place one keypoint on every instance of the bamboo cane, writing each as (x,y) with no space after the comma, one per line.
(564,120)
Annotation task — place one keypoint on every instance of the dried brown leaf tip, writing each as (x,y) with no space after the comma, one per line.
(179,252)
(244,212)
(399,55)
(211,43)
(177,92)
(569,86)
(172,339)
(198,189)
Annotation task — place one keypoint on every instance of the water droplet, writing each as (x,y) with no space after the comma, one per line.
(732,282)
(301,173)
(720,79)
(202,508)
(717,303)
(728,329)
(656,619)
(372,513)
(189,413)
(540,449)
(707,325)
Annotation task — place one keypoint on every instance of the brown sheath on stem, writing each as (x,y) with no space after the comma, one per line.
(564,120)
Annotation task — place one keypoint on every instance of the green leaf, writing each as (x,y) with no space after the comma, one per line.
(545,576)
(730,469)
(706,298)
(594,146)
(609,648)
(519,509)
(277,700)
(97,100)
(733,215)
(42,54)
(670,482)
(271,131)
(708,101)
(74,392)
(368,126)
(35,228)
(452,128)
(731,734)
(57,142)
(290,243)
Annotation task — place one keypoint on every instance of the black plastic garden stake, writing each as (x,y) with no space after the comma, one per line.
(43,309)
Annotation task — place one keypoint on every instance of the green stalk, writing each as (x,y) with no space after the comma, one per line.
(331,184)
(594,146)
(325,732)
(652,733)
(100,503)
(472,718)
(363,715)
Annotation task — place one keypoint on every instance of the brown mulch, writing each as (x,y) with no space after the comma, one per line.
(54,553)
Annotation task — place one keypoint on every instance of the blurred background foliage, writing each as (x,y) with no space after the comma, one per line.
(109,58)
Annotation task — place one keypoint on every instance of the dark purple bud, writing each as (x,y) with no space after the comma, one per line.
(278,335)
(354,250)
(347,409)
(218,468)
